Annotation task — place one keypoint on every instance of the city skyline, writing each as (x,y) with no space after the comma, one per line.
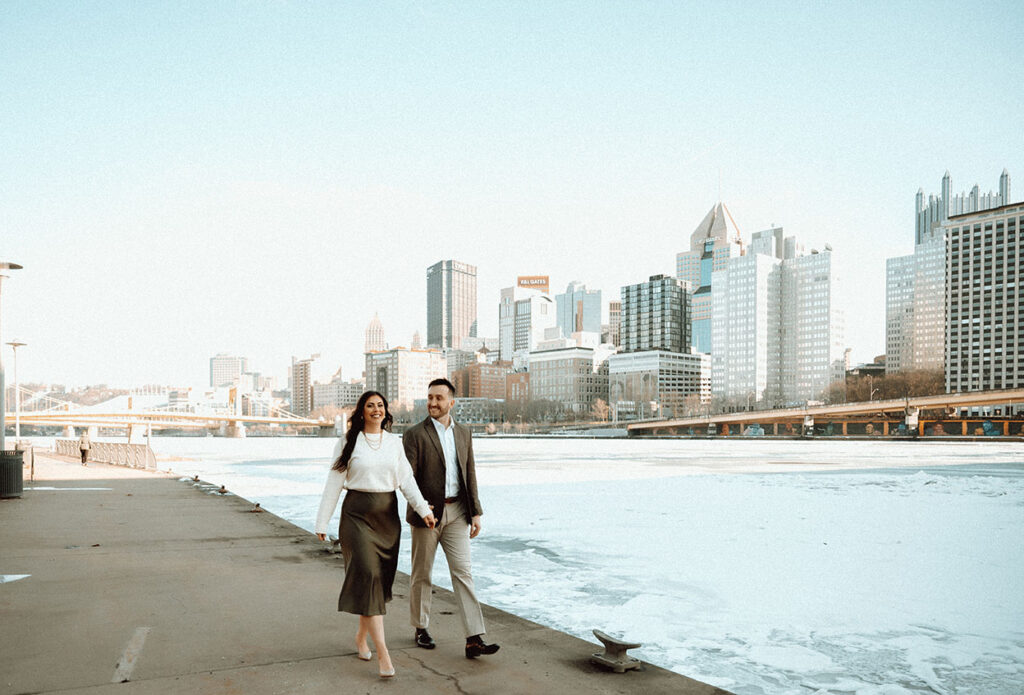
(261,181)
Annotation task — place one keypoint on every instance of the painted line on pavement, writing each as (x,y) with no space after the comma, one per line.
(5,578)
(69,488)
(126,664)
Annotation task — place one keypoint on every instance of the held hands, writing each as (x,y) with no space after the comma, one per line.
(474,529)
(429,519)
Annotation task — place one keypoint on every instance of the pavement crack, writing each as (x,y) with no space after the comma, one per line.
(448,676)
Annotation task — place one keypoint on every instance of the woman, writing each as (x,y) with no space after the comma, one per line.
(370,466)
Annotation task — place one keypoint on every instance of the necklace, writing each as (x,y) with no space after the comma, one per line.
(380,441)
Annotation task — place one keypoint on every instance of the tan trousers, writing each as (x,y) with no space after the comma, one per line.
(453,535)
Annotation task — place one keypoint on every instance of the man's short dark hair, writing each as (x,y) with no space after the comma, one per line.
(444,382)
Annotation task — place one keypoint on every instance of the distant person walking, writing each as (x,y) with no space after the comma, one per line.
(441,453)
(83,446)
(370,466)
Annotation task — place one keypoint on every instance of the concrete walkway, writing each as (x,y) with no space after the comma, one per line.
(165,583)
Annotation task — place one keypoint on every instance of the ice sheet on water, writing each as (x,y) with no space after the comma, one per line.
(876,568)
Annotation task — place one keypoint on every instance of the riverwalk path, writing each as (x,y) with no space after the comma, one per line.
(122,581)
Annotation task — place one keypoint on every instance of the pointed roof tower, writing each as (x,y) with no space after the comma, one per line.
(717,224)
(375,336)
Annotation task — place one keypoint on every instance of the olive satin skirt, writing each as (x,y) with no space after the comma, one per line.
(370,533)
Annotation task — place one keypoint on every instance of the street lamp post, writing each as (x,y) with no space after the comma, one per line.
(15,344)
(3,386)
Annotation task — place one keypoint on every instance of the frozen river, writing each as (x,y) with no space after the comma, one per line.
(759,566)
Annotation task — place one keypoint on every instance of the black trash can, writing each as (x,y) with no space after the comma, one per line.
(11,478)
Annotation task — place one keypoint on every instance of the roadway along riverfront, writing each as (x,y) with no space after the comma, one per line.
(884,412)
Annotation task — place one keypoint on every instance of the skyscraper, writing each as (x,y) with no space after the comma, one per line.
(984,299)
(777,331)
(302,386)
(939,209)
(657,370)
(916,284)
(747,329)
(524,315)
(715,240)
(375,336)
(579,309)
(656,315)
(451,303)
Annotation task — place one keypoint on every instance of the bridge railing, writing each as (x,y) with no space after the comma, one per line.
(117,453)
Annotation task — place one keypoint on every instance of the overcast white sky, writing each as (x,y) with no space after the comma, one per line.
(183,179)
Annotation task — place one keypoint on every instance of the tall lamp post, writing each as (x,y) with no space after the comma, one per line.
(3,386)
(15,344)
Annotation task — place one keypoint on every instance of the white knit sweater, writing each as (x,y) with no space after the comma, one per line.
(370,470)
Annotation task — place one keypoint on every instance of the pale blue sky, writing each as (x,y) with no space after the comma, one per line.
(188,178)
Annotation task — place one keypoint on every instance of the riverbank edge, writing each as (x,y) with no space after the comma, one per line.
(45,533)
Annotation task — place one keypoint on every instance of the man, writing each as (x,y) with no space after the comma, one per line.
(83,446)
(441,454)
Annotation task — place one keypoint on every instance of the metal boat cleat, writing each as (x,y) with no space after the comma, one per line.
(614,655)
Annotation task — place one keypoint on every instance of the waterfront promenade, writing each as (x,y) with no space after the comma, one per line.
(140,575)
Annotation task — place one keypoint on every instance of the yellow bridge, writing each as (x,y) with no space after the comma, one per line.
(872,416)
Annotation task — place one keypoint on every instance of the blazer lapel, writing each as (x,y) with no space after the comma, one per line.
(428,425)
(461,448)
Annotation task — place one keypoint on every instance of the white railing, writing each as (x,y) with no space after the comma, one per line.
(117,453)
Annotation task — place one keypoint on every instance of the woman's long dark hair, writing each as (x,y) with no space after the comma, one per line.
(356,425)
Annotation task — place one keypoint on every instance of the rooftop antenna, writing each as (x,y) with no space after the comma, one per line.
(719,184)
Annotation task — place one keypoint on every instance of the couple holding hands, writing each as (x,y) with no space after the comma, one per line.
(432,465)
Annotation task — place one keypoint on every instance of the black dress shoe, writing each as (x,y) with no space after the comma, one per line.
(475,647)
(423,638)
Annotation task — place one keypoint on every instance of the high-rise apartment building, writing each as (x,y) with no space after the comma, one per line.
(715,240)
(984,299)
(302,386)
(403,375)
(777,330)
(578,309)
(916,284)
(451,303)
(227,370)
(656,315)
(375,336)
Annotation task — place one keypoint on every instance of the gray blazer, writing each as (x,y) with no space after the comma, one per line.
(423,449)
